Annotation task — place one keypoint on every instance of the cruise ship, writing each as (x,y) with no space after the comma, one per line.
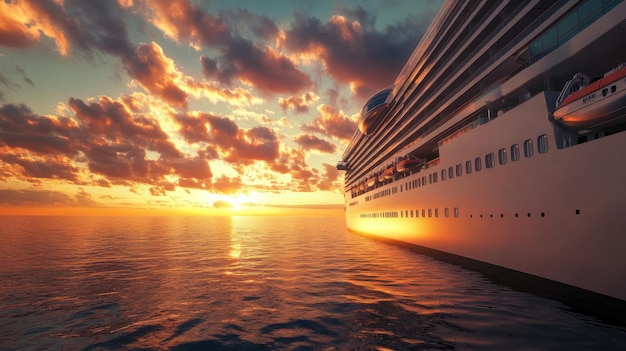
(503,140)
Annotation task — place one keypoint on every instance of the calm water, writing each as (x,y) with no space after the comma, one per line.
(255,283)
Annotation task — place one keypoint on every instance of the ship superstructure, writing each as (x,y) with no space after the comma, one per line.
(502,140)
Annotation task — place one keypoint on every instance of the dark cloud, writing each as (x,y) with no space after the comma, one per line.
(47,167)
(311,142)
(241,22)
(20,128)
(21,71)
(110,139)
(265,69)
(353,51)
(32,197)
(226,139)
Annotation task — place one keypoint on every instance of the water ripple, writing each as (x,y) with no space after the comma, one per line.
(257,284)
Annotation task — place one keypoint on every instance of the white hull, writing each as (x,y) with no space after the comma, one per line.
(560,215)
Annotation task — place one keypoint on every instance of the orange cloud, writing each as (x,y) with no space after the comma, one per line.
(332,122)
(23,22)
(311,142)
(300,104)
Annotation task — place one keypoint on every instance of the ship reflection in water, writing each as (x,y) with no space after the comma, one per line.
(257,283)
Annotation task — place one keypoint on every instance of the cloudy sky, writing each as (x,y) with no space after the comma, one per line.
(182,105)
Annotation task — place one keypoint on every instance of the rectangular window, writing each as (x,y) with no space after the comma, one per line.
(430,178)
(478,164)
(468,167)
(459,170)
(528,148)
(456,212)
(490,160)
(437,212)
(502,156)
(443,174)
(446,212)
(430,212)
(423,213)
(450,172)
(434,177)
(514,152)
(542,144)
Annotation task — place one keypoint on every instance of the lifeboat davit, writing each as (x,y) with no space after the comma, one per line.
(371,181)
(374,111)
(389,172)
(407,164)
(585,104)
(381,177)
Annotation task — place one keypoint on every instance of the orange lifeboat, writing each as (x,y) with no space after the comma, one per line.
(371,181)
(381,177)
(407,165)
(389,172)
(585,105)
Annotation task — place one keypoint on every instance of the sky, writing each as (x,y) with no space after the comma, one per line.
(190,107)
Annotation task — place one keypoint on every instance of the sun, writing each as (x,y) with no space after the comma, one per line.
(240,201)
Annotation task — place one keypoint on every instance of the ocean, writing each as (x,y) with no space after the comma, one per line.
(258,283)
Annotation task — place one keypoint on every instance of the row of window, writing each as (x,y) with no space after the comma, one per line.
(382,193)
(430,212)
(434,212)
(573,23)
(477,164)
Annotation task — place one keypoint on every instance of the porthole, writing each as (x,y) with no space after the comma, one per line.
(577,211)
(542,144)
(528,148)
(502,156)
(613,89)
(514,152)
(489,160)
